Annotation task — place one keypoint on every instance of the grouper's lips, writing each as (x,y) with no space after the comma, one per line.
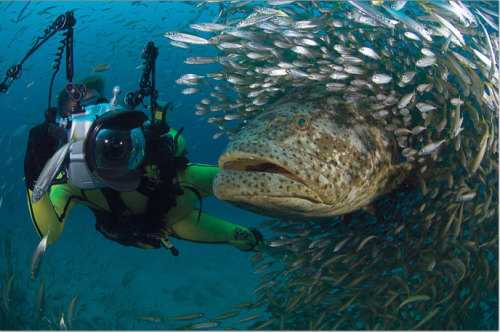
(244,163)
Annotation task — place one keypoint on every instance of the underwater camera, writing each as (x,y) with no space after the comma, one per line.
(107,147)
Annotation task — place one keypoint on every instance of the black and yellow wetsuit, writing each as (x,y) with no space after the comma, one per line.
(183,220)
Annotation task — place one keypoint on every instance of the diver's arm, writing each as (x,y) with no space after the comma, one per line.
(200,177)
(180,147)
(210,229)
(51,211)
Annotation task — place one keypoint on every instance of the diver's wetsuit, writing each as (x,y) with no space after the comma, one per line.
(183,220)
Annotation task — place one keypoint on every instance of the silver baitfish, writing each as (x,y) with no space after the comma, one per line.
(38,254)
(186,38)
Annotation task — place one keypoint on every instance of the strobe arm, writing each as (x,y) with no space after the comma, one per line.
(62,22)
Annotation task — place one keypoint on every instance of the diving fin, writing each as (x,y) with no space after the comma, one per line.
(49,172)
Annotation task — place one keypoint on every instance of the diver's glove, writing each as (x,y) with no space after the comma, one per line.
(259,240)
(247,239)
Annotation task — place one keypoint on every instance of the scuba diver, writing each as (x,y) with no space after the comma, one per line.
(131,170)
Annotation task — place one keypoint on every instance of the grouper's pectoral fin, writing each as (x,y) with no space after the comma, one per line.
(370,209)
(402,175)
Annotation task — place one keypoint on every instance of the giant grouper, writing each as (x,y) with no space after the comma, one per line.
(309,158)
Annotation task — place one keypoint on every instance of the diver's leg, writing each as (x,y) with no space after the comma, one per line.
(50,213)
(210,229)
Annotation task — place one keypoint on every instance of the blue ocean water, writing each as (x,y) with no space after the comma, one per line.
(114,284)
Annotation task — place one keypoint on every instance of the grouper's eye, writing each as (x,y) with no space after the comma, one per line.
(301,122)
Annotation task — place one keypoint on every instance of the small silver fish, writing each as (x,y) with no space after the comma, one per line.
(423,107)
(102,67)
(302,51)
(190,91)
(409,152)
(417,130)
(278,72)
(381,78)
(253,19)
(62,324)
(307,42)
(398,4)
(228,45)
(305,24)
(179,44)
(190,77)
(466,197)
(411,23)
(218,135)
(405,100)
(373,13)
(427,52)
(407,77)
(430,148)
(354,70)
(270,11)
(38,254)
(208,27)
(339,76)
(380,114)
(464,60)
(402,132)
(425,87)
(280,2)
(186,38)
(204,325)
(230,117)
(235,80)
(241,34)
(199,60)
(476,162)
(335,86)
(411,35)
(426,61)
(281,44)
(49,172)
(369,53)
(70,313)
(256,56)
(452,29)
(482,57)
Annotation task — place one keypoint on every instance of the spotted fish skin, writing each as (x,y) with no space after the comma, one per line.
(316,158)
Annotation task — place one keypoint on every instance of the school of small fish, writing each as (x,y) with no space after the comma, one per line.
(430,78)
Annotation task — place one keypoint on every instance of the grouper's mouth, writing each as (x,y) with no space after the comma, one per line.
(266,185)
(246,165)
(257,164)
